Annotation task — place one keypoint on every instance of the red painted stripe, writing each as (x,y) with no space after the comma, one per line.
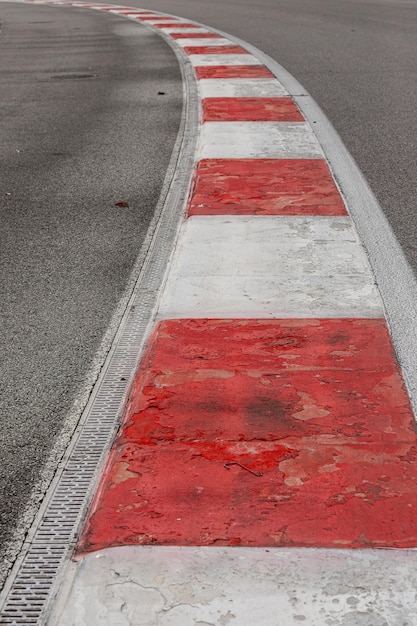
(264,187)
(234,71)
(317,406)
(196,36)
(251,110)
(215,50)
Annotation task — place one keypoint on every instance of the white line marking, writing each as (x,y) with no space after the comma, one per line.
(251,140)
(168,585)
(203,60)
(184,31)
(240,87)
(195,43)
(268,266)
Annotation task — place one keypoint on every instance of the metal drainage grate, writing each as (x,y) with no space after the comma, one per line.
(37,575)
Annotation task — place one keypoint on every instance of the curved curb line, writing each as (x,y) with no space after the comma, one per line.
(49,543)
(395,279)
(140,314)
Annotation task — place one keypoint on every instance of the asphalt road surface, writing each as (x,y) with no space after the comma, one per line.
(90,107)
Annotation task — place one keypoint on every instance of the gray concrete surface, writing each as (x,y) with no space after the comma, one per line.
(90,107)
(215,586)
(358,59)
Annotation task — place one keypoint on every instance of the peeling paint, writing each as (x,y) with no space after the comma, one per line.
(236,71)
(230,49)
(121,472)
(332,434)
(264,187)
(251,110)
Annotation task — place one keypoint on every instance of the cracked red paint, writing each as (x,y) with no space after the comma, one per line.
(175,25)
(317,406)
(215,50)
(251,110)
(233,71)
(264,187)
(196,36)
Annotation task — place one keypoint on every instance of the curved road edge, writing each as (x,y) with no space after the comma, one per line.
(354,189)
(122,344)
(395,279)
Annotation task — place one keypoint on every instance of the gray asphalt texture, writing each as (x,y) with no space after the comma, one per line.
(358,60)
(90,106)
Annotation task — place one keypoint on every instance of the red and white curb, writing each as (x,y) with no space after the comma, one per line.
(268,425)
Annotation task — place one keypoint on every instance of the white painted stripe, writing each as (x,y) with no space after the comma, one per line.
(160,19)
(166,585)
(268,266)
(136,16)
(270,297)
(240,88)
(120,12)
(251,140)
(262,245)
(185,31)
(204,42)
(202,60)
(140,13)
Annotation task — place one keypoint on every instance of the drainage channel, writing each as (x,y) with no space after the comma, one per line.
(38,571)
